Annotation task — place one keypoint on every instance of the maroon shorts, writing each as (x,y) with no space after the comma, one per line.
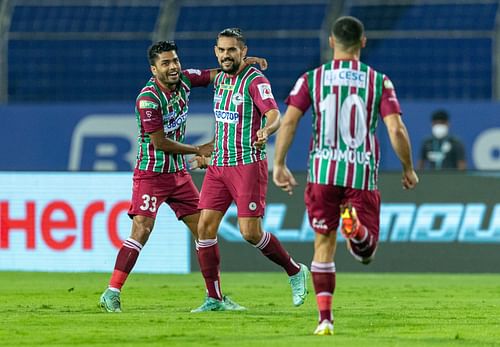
(151,189)
(323,206)
(246,185)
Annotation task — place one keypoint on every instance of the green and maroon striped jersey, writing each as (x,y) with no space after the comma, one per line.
(240,104)
(347,97)
(158,108)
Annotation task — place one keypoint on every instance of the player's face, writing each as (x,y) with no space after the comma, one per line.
(230,53)
(167,69)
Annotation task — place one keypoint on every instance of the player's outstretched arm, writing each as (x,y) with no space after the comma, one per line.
(282,177)
(172,146)
(400,141)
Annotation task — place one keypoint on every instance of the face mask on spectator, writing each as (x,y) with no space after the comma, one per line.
(439,131)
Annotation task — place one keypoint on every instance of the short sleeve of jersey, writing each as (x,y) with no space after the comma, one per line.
(262,95)
(198,78)
(299,96)
(149,110)
(389,103)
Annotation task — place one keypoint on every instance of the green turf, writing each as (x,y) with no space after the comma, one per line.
(38,309)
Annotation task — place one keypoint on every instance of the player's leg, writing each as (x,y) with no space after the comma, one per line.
(209,260)
(360,223)
(322,203)
(214,201)
(248,187)
(146,198)
(323,274)
(125,260)
(271,247)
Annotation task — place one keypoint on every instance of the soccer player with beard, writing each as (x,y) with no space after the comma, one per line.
(347,97)
(160,173)
(246,115)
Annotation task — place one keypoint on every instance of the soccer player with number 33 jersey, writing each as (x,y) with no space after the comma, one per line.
(348,98)
(160,173)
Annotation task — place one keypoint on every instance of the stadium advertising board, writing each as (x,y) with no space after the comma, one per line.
(451,223)
(102,137)
(77,222)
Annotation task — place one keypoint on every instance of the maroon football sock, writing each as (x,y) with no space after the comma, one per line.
(209,260)
(323,275)
(270,246)
(125,261)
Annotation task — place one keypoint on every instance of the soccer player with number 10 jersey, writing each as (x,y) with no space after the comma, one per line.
(347,99)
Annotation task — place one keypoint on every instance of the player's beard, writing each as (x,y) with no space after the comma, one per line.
(232,68)
(169,81)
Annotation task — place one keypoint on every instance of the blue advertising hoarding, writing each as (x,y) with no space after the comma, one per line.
(102,137)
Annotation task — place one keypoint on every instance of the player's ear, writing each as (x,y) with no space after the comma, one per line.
(215,50)
(153,70)
(244,50)
(363,42)
(331,41)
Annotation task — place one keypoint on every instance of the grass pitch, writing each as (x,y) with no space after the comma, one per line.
(60,309)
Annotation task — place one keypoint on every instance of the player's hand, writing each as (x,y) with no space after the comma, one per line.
(206,149)
(409,179)
(262,136)
(283,178)
(199,162)
(256,60)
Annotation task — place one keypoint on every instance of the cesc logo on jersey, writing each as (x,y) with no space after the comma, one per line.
(345,77)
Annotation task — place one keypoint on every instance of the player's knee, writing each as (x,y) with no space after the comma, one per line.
(206,230)
(250,236)
(141,231)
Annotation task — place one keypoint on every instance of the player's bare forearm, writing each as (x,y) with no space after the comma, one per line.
(171,146)
(400,140)
(286,134)
(273,121)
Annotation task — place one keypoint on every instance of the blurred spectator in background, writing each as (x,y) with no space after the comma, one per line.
(442,150)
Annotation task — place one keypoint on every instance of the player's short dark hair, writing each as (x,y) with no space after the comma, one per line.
(348,31)
(159,47)
(440,115)
(232,32)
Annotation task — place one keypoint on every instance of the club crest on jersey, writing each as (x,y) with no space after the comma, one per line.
(265,91)
(345,77)
(148,104)
(172,123)
(237,99)
(226,116)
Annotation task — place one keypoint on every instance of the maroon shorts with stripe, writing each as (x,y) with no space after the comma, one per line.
(151,189)
(246,185)
(323,206)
